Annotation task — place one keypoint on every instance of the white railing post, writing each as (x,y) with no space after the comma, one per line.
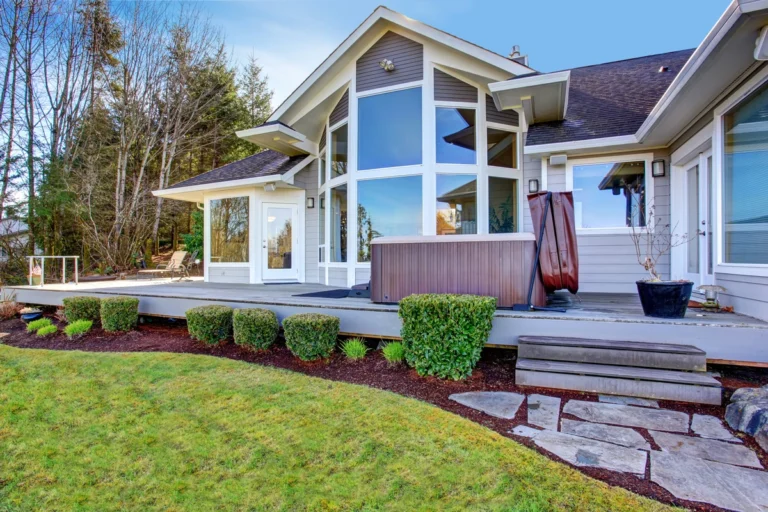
(77,258)
(42,272)
(63,270)
(31,261)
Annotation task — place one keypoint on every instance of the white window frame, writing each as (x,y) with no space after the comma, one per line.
(329,146)
(718,151)
(251,229)
(647,158)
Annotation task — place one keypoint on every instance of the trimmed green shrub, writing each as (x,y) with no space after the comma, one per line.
(47,330)
(78,328)
(443,335)
(255,328)
(311,335)
(210,324)
(394,352)
(119,314)
(82,308)
(354,348)
(34,325)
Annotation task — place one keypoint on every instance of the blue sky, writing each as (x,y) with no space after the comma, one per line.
(292,37)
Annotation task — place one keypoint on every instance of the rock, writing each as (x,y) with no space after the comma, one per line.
(707,449)
(711,428)
(762,439)
(500,404)
(722,485)
(628,416)
(615,435)
(525,431)
(628,400)
(543,411)
(744,394)
(748,416)
(580,451)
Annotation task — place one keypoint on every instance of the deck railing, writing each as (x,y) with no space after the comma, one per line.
(63,267)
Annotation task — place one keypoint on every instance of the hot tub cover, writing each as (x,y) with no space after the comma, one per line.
(559,258)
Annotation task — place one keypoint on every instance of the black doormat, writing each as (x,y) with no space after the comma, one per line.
(341,293)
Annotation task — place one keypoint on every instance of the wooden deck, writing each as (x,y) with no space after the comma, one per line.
(725,337)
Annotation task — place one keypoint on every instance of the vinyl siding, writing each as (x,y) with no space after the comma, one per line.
(337,277)
(747,294)
(341,110)
(321,144)
(407,55)
(448,88)
(509,117)
(307,179)
(531,171)
(229,274)
(362,275)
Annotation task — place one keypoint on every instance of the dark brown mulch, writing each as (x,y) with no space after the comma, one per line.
(494,372)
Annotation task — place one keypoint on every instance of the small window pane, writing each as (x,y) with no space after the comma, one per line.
(456,204)
(322,227)
(387,207)
(389,131)
(321,167)
(710,216)
(456,138)
(229,230)
(745,182)
(502,148)
(338,251)
(339,151)
(692,191)
(609,195)
(502,205)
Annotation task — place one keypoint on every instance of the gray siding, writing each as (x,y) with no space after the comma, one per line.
(337,277)
(509,117)
(340,111)
(229,275)
(531,171)
(448,88)
(407,55)
(322,140)
(747,294)
(362,275)
(307,179)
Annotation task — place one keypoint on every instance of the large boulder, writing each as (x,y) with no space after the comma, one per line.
(748,413)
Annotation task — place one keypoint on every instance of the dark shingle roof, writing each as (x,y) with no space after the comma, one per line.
(266,163)
(612,99)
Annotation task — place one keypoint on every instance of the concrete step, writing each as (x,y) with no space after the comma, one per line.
(620,353)
(619,380)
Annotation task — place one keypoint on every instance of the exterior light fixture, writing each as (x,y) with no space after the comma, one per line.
(310,202)
(387,65)
(658,169)
(270,187)
(533,186)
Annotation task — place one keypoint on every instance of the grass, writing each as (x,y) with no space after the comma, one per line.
(354,348)
(154,431)
(78,328)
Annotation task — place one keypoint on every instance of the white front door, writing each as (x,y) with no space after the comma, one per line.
(280,241)
(699,215)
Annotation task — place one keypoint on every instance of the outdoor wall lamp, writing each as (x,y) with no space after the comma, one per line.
(533,186)
(658,169)
(387,65)
(310,202)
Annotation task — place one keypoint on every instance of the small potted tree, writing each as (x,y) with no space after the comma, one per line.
(660,298)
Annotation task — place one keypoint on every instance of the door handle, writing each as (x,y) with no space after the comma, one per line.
(263,244)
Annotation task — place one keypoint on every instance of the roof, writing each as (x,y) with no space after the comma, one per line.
(611,99)
(266,163)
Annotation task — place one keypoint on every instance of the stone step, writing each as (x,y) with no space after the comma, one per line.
(619,380)
(621,353)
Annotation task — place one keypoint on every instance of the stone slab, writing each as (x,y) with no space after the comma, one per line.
(500,404)
(584,452)
(543,411)
(707,449)
(628,416)
(622,436)
(722,485)
(628,400)
(525,431)
(711,427)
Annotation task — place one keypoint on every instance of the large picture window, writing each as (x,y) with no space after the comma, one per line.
(456,204)
(609,195)
(502,205)
(455,135)
(338,252)
(229,230)
(389,129)
(745,181)
(387,207)
(339,139)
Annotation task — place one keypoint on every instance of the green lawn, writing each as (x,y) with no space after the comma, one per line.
(84,431)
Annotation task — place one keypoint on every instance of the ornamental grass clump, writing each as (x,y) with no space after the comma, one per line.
(255,328)
(78,329)
(48,330)
(394,352)
(210,324)
(34,325)
(82,308)
(443,335)
(119,314)
(311,336)
(354,348)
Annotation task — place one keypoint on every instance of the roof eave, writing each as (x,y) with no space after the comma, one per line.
(542,98)
(279,138)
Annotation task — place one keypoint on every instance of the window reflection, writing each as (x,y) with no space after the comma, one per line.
(389,129)
(338,250)
(229,230)
(456,138)
(502,205)
(609,195)
(339,151)
(502,148)
(456,204)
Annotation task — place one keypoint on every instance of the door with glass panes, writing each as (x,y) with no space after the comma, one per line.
(698,246)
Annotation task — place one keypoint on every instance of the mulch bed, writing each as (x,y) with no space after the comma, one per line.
(494,372)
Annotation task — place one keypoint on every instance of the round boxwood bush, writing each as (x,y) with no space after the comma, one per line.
(119,314)
(311,335)
(210,324)
(82,308)
(255,328)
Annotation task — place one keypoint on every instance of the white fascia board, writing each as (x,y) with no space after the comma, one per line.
(531,81)
(558,147)
(383,13)
(272,128)
(207,187)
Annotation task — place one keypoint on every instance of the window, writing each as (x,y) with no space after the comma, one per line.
(502,148)
(387,207)
(502,205)
(456,204)
(389,129)
(321,248)
(745,181)
(455,133)
(229,230)
(609,195)
(321,167)
(339,224)
(339,151)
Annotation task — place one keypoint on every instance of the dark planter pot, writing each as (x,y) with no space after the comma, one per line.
(664,299)
(28,317)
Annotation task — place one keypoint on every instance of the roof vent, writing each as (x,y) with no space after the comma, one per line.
(517,57)
(663,69)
